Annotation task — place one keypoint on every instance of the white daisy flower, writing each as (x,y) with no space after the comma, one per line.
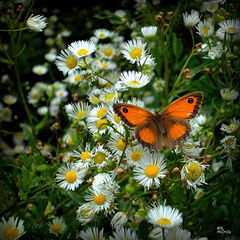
(99,201)
(98,126)
(93,97)
(164,216)
(149,170)
(75,78)
(211,6)
(49,209)
(136,153)
(88,76)
(156,233)
(122,14)
(69,177)
(85,213)
(79,111)
(220,35)
(123,234)
(67,138)
(177,234)
(103,181)
(91,233)
(149,32)
(61,93)
(216,165)
(119,220)
(101,33)
(191,20)
(229,95)
(229,143)
(84,156)
(11,229)
(201,120)
(147,62)
(36,23)
(132,79)
(57,226)
(114,119)
(107,51)
(190,148)
(42,110)
(216,52)
(232,127)
(82,48)
(193,172)
(66,62)
(40,69)
(98,112)
(34,96)
(205,28)
(195,127)
(102,64)
(68,157)
(101,157)
(108,95)
(231,26)
(9,99)
(134,50)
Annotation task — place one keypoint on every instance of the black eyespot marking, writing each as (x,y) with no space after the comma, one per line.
(125,110)
(190,100)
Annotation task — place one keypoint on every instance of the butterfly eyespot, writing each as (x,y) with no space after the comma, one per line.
(190,100)
(125,110)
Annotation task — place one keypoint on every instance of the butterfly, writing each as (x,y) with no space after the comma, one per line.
(168,128)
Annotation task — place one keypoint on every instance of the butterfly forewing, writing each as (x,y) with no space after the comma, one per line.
(186,107)
(131,115)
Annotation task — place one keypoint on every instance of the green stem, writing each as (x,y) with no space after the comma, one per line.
(13,30)
(166,75)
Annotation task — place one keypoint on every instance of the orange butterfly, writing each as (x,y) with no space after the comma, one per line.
(169,127)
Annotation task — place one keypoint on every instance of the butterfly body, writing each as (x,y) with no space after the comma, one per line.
(168,128)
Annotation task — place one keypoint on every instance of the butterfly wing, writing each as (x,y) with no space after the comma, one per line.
(131,115)
(186,107)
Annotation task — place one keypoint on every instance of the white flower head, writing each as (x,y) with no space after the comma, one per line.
(232,127)
(211,6)
(119,220)
(124,233)
(231,26)
(57,226)
(191,20)
(193,172)
(229,143)
(11,229)
(164,216)
(9,99)
(149,32)
(134,50)
(92,233)
(101,157)
(205,28)
(191,148)
(40,69)
(229,95)
(69,177)
(83,156)
(149,170)
(36,23)
(82,48)
(102,33)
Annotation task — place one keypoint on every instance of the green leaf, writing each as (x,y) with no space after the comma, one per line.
(44,168)
(4,60)
(42,123)
(143,230)
(76,197)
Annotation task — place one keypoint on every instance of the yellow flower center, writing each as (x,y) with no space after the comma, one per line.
(101,112)
(205,30)
(117,119)
(108,52)
(60,94)
(104,65)
(95,100)
(136,156)
(123,19)
(77,78)
(212,6)
(82,52)
(71,62)
(193,171)
(47,212)
(102,35)
(8,101)
(99,158)
(151,171)
(136,53)
(102,124)
(231,29)
(39,71)
(229,142)
(10,233)
(134,83)
(71,177)
(120,144)
(80,114)
(85,156)
(100,199)
(109,96)
(56,228)
(164,221)
(232,127)
(34,96)
(70,141)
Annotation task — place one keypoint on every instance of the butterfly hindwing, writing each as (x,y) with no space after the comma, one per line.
(131,115)
(186,107)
